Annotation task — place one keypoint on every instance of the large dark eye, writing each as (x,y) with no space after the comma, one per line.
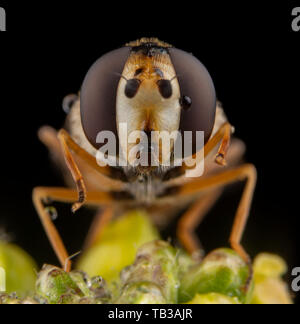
(98,94)
(197,94)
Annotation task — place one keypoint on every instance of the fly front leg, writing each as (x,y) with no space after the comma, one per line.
(223,148)
(246,172)
(220,140)
(68,145)
(192,218)
(74,171)
(223,135)
(41,195)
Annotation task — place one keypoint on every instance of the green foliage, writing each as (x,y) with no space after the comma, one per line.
(222,271)
(55,286)
(152,277)
(20,269)
(118,245)
(141,269)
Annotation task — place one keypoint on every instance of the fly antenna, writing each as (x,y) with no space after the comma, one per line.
(121,76)
(174,77)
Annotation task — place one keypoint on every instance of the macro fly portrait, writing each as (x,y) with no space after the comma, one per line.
(149,86)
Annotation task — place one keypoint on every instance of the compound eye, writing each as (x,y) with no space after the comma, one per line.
(198,96)
(98,94)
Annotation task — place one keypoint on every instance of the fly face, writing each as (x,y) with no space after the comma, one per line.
(148,101)
(147,89)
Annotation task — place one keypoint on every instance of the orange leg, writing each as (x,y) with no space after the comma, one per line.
(221,155)
(223,135)
(74,171)
(245,172)
(42,194)
(68,145)
(63,136)
(192,218)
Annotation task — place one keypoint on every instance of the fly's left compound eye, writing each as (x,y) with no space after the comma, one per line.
(198,96)
(98,94)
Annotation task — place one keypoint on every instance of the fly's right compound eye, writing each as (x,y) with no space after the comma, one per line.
(98,94)
(198,96)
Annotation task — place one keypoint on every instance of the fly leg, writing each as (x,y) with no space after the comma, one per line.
(68,145)
(246,172)
(42,194)
(192,218)
(74,171)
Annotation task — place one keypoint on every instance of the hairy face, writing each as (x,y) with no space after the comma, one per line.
(150,88)
(148,99)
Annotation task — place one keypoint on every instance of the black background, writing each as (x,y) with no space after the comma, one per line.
(253,57)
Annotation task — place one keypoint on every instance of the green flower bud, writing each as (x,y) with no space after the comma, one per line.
(56,286)
(153,277)
(223,272)
(17,270)
(142,293)
(118,245)
(269,287)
